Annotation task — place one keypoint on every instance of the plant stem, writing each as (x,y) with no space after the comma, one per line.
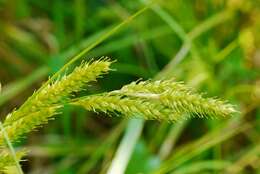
(126,147)
(9,144)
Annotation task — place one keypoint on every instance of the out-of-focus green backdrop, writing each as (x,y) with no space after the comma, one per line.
(211,45)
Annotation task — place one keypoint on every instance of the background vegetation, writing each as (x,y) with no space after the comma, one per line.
(213,46)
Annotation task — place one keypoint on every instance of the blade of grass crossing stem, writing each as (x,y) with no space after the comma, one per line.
(175,26)
(196,32)
(125,150)
(178,29)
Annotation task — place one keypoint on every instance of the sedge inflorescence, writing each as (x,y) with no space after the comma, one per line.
(61,89)
(160,100)
(157,100)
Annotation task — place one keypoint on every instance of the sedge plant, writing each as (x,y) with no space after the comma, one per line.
(165,100)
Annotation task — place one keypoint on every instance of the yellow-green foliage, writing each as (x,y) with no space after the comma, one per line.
(27,123)
(6,159)
(127,106)
(61,89)
(178,97)
(161,100)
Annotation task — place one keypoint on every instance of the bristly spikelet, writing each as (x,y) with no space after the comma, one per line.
(7,160)
(61,89)
(178,97)
(196,105)
(129,107)
(156,87)
(28,123)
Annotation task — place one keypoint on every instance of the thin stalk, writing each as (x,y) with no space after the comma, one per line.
(210,23)
(226,51)
(126,147)
(196,32)
(173,24)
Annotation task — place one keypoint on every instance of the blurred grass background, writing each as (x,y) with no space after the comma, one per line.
(211,45)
